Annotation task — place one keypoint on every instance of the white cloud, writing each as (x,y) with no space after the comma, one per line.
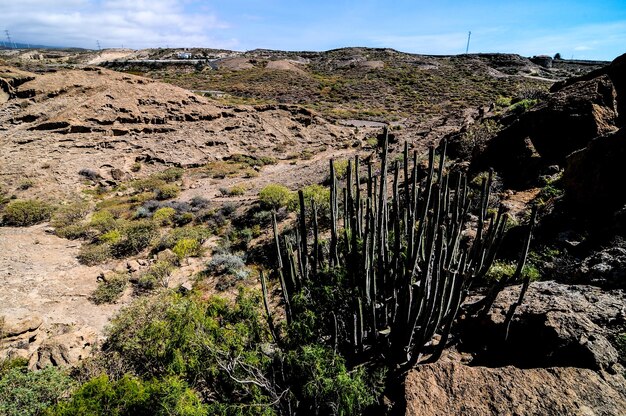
(136,24)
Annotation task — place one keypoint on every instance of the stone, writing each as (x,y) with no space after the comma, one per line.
(451,388)
(556,325)
(133,266)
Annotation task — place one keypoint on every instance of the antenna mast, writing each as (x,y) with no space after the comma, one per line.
(469,35)
(11,44)
(98,43)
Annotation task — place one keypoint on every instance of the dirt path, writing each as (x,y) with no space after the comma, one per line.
(40,276)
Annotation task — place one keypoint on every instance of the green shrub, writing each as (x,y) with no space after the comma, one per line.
(313,193)
(237,190)
(523,105)
(275,196)
(28,393)
(136,236)
(110,290)
(167,191)
(170,175)
(111,237)
(130,395)
(502,268)
(70,214)
(103,221)
(73,231)
(341,168)
(94,254)
(164,216)
(26,184)
(23,213)
(187,247)
(158,273)
(169,240)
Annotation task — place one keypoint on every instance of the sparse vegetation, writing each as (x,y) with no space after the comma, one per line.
(23,213)
(110,290)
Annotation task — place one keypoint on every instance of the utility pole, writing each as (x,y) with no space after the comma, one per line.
(469,35)
(98,43)
(11,44)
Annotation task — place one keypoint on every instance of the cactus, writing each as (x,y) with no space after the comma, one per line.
(406,270)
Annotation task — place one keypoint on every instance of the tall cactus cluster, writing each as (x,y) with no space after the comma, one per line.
(397,246)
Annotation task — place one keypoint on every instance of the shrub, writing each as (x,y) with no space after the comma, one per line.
(501,268)
(341,168)
(70,214)
(28,393)
(110,290)
(103,221)
(187,247)
(23,213)
(170,175)
(136,167)
(164,216)
(136,236)
(225,263)
(274,196)
(130,395)
(111,237)
(159,273)
(166,192)
(73,231)
(91,255)
(26,184)
(236,190)
(169,240)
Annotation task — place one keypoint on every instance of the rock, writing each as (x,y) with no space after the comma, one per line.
(13,329)
(166,255)
(451,388)
(133,266)
(545,135)
(605,268)
(594,178)
(117,174)
(185,287)
(556,325)
(64,349)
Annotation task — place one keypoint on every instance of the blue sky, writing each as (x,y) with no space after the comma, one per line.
(579,29)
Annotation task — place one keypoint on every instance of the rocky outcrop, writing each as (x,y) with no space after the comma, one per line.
(452,388)
(605,268)
(560,358)
(557,325)
(567,121)
(594,179)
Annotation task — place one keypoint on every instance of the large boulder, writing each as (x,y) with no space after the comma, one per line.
(556,325)
(594,177)
(577,111)
(452,388)
(545,135)
(560,358)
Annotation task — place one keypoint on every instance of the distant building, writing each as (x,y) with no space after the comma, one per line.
(184,55)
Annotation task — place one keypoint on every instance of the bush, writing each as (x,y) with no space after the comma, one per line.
(164,192)
(90,174)
(164,216)
(91,255)
(130,395)
(73,232)
(159,273)
(169,240)
(313,193)
(110,290)
(274,196)
(26,393)
(170,175)
(225,263)
(501,268)
(70,214)
(136,236)
(187,247)
(23,213)
(103,221)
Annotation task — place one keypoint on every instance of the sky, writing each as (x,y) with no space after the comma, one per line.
(575,28)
